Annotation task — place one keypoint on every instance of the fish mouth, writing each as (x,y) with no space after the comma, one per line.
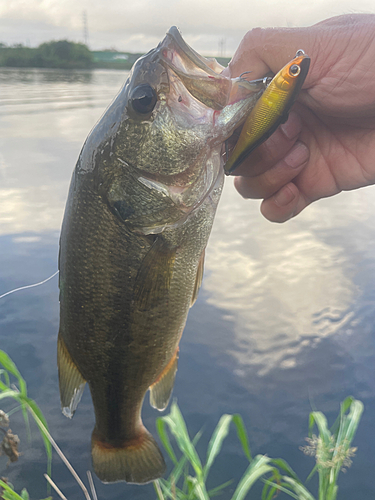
(202,80)
(200,75)
(199,61)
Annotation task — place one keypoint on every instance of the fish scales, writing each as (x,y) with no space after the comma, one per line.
(139,213)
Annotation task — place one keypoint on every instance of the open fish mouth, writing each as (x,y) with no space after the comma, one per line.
(201,76)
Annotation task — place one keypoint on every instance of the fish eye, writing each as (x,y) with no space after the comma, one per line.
(294,70)
(143,99)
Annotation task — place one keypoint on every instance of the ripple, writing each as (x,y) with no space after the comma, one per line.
(281,284)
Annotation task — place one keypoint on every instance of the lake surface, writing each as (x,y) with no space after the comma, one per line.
(284,322)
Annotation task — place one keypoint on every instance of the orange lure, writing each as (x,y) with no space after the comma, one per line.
(271,109)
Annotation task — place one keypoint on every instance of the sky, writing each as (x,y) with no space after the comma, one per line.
(212,27)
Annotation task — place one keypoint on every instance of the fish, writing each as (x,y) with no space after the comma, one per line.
(139,212)
(271,110)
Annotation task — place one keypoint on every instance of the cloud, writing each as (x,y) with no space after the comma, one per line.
(203,24)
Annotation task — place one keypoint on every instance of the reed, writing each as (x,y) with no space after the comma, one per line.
(331,448)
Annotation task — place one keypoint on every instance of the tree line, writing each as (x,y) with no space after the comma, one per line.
(56,54)
(67,55)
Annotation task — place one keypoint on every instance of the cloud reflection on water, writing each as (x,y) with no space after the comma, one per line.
(284,286)
(45,117)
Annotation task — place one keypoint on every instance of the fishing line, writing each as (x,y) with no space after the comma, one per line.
(29,286)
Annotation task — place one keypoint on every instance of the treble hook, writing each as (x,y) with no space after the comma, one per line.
(245,73)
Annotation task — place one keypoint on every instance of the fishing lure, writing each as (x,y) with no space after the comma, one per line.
(271,109)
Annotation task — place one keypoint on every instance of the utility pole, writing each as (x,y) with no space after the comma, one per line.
(222,42)
(85,28)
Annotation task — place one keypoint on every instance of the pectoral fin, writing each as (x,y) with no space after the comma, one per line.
(198,279)
(161,390)
(154,276)
(71,381)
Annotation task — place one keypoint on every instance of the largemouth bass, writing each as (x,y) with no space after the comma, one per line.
(139,213)
(271,109)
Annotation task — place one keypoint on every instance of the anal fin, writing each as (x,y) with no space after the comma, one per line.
(198,279)
(161,390)
(71,382)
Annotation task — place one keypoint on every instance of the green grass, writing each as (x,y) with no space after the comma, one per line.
(184,485)
(331,448)
(8,389)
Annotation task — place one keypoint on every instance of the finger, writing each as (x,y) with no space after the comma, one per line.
(271,181)
(268,49)
(285,204)
(273,149)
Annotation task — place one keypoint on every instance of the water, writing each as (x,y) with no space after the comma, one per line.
(283,323)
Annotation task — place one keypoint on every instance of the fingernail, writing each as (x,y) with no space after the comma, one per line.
(298,155)
(292,127)
(284,196)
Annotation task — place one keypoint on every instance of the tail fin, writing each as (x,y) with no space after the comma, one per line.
(136,461)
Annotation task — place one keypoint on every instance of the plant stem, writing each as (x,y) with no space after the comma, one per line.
(61,455)
(58,491)
(92,486)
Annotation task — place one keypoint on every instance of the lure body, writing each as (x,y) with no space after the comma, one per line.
(271,109)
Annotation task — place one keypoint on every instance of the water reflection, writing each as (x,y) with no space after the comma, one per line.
(284,320)
(282,287)
(26,92)
(45,116)
(40,76)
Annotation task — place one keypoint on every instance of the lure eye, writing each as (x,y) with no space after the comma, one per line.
(143,99)
(294,70)
(300,52)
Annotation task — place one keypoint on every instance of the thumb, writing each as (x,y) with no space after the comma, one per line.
(268,49)
(264,50)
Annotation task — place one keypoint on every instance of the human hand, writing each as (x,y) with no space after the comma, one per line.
(328,143)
